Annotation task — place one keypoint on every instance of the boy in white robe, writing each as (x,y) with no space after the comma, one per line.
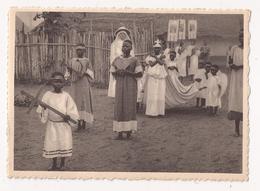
(58,136)
(216,87)
(201,78)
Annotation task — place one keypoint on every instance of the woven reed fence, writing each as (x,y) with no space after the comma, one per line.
(38,54)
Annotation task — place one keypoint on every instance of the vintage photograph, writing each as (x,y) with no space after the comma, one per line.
(128,92)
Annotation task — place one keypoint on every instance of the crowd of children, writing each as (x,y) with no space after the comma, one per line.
(212,84)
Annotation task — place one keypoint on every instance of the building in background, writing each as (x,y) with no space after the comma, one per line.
(24,21)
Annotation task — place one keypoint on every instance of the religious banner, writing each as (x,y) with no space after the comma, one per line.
(192,29)
(182,29)
(173,28)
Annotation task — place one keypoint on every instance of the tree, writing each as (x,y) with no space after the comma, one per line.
(53,22)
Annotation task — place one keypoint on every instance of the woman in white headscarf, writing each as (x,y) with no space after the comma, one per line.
(121,34)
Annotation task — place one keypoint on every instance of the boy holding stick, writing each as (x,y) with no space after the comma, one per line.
(58,136)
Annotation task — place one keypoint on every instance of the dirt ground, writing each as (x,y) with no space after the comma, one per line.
(185,140)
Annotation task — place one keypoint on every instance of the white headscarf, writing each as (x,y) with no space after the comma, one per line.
(116,46)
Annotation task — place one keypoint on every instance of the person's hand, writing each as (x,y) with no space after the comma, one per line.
(66,118)
(162,56)
(158,60)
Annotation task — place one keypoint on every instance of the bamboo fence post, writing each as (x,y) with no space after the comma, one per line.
(28,52)
(89,46)
(21,62)
(66,50)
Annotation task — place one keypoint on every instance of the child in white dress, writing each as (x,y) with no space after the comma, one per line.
(58,136)
(216,87)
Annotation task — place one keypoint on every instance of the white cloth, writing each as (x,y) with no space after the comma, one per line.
(214,92)
(167,54)
(201,74)
(156,87)
(236,81)
(194,63)
(115,51)
(171,63)
(58,136)
(176,92)
(189,49)
(173,30)
(142,86)
(181,60)
(192,29)
(182,29)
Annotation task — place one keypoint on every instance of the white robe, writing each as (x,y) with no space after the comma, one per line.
(203,83)
(172,73)
(181,60)
(189,49)
(58,136)
(214,93)
(156,87)
(236,82)
(194,63)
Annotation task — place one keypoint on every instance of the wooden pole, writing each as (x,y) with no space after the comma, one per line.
(29,56)
(49,107)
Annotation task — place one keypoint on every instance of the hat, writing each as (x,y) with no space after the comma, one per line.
(157,44)
(122,29)
(80,46)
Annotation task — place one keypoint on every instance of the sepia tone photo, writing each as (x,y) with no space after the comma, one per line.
(132,94)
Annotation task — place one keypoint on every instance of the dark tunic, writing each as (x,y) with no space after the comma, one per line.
(80,90)
(126,94)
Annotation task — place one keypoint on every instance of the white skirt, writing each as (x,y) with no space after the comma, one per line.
(111,86)
(58,140)
(155,103)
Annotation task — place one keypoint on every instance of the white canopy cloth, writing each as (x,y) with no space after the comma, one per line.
(176,92)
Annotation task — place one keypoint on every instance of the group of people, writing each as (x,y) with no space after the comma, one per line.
(132,82)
